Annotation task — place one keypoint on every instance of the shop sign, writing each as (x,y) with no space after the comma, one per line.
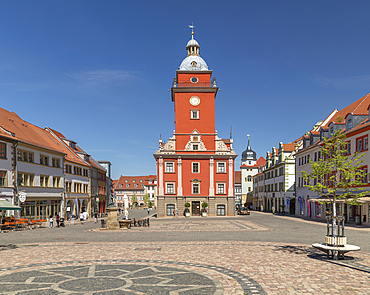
(22,196)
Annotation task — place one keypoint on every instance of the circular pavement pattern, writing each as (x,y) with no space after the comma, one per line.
(120,277)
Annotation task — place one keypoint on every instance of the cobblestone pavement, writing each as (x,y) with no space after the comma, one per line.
(88,261)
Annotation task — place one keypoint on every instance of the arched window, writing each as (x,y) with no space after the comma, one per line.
(249,178)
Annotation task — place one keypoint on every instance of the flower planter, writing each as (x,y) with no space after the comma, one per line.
(204,214)
(187,214)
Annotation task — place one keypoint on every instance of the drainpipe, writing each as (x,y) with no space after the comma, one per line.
(16,199)
(62,206)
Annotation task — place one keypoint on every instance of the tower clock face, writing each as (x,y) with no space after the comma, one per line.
(194,79)
(194,100)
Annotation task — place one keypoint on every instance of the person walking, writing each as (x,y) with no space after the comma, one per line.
(82,218)
(51,224)
(96,217)
(148,210)
(273,209)
(57,219)
(73,217)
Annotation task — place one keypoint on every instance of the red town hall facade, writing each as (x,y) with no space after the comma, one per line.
(195,165)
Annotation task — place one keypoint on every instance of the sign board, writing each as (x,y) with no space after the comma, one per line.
(68,209)
(22,196)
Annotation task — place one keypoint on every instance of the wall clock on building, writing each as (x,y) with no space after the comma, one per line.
(194,79)
(194,100)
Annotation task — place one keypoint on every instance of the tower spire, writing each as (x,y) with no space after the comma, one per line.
(192,30)
(248,147)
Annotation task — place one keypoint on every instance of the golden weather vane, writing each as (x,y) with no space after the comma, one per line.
(192,30)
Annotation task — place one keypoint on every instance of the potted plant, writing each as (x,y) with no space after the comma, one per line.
(204,209)
(187,210)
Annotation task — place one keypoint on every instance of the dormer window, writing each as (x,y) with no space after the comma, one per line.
(349,124)
(193,63)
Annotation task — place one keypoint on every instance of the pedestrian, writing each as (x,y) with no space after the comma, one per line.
(51,221)
(82,218)
(261,208)
(57,219)
(73,217)
(174,213)
(177,213)
(95,217)
(273,209)
(148,210)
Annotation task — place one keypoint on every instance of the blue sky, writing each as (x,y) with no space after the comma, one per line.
(100,71)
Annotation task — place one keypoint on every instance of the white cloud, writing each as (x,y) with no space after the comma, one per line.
(99,77)
(349,82)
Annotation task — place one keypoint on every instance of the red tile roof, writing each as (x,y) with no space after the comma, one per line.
(288,147)
(359,107)
(261,161)
(131,181)
(27,132)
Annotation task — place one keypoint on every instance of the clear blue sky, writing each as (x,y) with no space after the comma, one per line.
(99,71)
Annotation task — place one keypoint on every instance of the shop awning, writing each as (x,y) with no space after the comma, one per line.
(5,205)
(361,200)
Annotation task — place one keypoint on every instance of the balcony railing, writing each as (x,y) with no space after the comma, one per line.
(198,84)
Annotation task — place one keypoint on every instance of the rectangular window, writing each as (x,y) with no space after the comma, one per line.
(26,179)
(221,167)
(68,186)
(364,180)
(56,181)
(220,188)
(2,150)
(25,156)
(276,187)
(195,168)
(44,160)
(169,167)
(68,169)
(86,189)
(194,114)
(55,162)
(2,178)
(170,188)
(44,180)
(359,145)
(86,172)
(365,144)
(195,147)
(195,188)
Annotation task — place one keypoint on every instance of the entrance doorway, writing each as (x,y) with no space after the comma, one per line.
(195,208)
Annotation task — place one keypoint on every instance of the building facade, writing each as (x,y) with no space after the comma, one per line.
(195,165)
(353,121)
(279,178)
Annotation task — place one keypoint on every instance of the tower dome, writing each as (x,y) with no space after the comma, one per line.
(249,154)
(193,62)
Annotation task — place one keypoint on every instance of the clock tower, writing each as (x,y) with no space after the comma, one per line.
(195,166)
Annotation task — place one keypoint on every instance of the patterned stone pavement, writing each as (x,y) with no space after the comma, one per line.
(99,266)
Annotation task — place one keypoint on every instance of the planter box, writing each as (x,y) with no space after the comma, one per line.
(187,214)
(204,214)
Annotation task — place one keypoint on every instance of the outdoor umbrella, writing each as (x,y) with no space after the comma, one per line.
(5,205)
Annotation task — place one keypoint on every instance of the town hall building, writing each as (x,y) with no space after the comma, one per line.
(195,165)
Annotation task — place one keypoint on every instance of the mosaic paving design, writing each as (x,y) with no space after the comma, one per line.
(117,277)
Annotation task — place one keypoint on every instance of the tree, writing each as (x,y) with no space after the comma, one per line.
(150,204)
(337,174)
(134,200)
(146,200)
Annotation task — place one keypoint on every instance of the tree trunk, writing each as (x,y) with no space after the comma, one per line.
(335,228)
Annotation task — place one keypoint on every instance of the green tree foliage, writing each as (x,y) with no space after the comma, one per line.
(134,200)
(337,174)
(146,199)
